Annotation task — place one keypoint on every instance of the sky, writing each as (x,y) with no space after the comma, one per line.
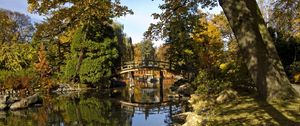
(19,6)
(134,25)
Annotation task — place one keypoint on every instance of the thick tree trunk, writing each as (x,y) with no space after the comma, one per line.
(258,50)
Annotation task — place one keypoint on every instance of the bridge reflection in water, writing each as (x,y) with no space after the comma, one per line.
(148,91)
(154,99)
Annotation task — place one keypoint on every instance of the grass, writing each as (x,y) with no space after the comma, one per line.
(248,110)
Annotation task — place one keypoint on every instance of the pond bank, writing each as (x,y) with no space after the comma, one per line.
(22,99)
(245,109)
(7,102)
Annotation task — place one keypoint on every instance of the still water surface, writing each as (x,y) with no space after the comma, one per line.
(139,106)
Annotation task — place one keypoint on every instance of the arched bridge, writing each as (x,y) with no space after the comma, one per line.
(145,64)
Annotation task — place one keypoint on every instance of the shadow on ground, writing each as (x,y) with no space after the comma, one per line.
(248,110)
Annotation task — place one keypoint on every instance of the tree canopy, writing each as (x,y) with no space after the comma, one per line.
(16,27)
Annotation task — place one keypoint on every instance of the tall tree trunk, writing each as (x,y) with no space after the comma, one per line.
(80,58)
(60,56)
(258,50)
(81,54)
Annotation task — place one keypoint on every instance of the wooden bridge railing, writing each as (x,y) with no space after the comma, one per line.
(145,64)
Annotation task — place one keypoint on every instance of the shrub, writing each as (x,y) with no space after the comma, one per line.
(213,86)
(237,73)
(208,85)
(294,71)
(22,79)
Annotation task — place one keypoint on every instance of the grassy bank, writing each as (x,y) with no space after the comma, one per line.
(245,110)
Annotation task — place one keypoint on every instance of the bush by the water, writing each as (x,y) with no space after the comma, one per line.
(21,79)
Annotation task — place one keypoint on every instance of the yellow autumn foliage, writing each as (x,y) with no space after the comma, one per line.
(208,33)
(296,26)
(296,77)
(66,37)
(223,66)
(209,43)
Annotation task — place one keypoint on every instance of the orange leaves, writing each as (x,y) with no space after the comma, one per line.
(137,52)
(42,66)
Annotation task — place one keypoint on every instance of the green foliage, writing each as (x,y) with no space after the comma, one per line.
(99,66)
(177,22)
(94,19)
(92,111)
(16,56)
(99,59)
(91,70)
(69,71)
(207,85)
(125,46)
(237,73)
(194,42)
(147,50)
(77,14)
(294,67)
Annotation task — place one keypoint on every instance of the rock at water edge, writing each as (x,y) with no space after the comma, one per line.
(24,103)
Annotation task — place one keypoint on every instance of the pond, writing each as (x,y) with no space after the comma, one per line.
(138,106)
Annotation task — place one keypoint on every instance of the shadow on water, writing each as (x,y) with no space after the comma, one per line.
(98,108)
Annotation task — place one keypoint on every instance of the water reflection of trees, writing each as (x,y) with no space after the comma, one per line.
(69,111)
(92,111)
(92,108)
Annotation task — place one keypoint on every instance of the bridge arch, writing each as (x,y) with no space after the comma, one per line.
(147,68)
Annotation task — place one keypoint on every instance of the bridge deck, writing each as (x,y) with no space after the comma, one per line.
(135,66)
(128,70)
